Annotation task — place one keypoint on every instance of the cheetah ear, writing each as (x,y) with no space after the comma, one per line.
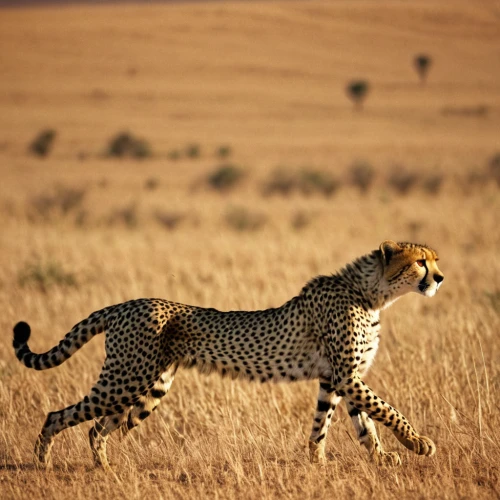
(388,248)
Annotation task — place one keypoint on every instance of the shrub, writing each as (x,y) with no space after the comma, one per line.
(127,216)
(174,155)
(142,149)
(45,275)
(223,152)
(151,184)
(362,175)
(282,181)
(307,181)
(225,177)
(169,220)
(120,145)
(60,201)
(494,168)
(193,151)
(473,179)
(402,180)
(422,63)
(125,145)
(241,219)
(315,181)
(433,184)
(357,90)
(42,144)
(300,220)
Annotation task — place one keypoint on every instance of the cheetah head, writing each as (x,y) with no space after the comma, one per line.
(409,267)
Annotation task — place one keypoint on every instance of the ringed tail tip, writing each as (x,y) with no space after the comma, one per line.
(22,332)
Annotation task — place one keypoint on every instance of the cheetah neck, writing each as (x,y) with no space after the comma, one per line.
(366,276)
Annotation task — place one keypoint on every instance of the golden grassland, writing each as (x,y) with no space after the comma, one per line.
(268,79)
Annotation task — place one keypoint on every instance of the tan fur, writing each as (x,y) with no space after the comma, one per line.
(329,332)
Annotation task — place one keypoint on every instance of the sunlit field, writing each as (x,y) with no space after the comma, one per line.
(256,173)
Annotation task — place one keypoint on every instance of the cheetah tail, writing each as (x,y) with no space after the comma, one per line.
(79,335)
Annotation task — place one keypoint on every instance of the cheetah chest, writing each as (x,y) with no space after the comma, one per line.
(370,346)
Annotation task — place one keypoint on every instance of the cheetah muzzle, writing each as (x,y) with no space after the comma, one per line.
(329,332)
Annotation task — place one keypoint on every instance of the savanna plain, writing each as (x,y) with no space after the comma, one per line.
(252,173)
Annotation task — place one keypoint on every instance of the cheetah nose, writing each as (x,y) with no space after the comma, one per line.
(438,278)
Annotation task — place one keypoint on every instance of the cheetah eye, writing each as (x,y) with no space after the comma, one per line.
(421,263)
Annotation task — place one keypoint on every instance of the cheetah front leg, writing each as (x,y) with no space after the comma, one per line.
(360,396)
(327,401)
(367,435)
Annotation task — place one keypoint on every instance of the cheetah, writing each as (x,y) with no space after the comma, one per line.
(329,332)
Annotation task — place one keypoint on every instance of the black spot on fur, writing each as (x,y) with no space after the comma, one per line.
(354,412)
(157,393)
(323,406)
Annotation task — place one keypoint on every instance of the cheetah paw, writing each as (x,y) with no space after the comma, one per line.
(317,453)
(388,459)
(421,445)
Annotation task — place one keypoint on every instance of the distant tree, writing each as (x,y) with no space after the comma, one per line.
(422,64)
(43,142)
(357,91)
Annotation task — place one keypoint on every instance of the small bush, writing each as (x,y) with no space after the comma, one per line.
(169,220)
(300,220)
(225,177)
(142,149)
(282,181)
(223,152)
(432,185)
(121,145)
(494,168)
(193,151)
(125,145)
(307,181)
(42,144)
(312,181)
(402,180)
(473,179)
(151,184)
(241,219)
(362,175)
(45,275)
(127,216)
(422,63)
(174,155)
(61,201)
(357,90)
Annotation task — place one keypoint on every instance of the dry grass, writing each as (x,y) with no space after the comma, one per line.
(439,359)
(438,362)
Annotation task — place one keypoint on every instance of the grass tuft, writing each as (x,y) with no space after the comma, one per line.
(45,275)
(242,219)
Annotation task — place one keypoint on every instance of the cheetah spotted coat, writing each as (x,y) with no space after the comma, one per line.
(329,332)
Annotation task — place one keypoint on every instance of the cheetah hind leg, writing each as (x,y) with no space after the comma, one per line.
(367,435)
(98,436)
(57,421)
(127,420)
(149,402)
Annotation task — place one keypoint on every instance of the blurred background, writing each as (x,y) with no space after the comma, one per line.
(221,154)
(267,98)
